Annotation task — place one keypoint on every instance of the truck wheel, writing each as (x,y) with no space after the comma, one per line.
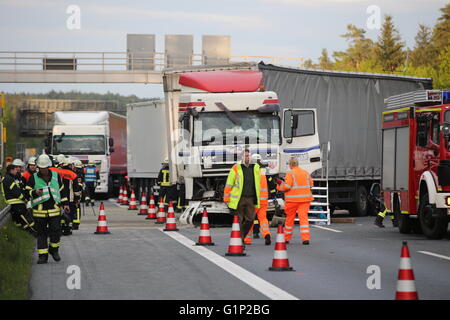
(404,221)
(416,227)
(433,221)
(361,204)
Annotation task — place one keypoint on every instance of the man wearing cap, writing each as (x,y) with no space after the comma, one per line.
(297,200)
(14,196)
(47,195)
(242,191)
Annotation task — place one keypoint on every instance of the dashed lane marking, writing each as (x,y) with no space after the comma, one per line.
(434,255)
(324,228)
(257,283)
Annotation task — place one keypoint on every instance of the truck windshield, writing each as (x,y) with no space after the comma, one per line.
(79,144)
(216,128)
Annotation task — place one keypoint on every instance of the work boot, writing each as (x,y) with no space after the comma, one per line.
(395,223)
(268,240)
(379,221)
(55,255)
(43,258)
(306,242)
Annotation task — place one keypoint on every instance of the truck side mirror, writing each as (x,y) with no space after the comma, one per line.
(111,149)
(111,142)
(445,128)
(294,119)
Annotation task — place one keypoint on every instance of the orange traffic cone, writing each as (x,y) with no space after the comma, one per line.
(406,288)
(161,216)
(280,259)
(204,238)
(171,224)
(102,227)
(132,205)
(143,207)
(119,199)
(236,247)
(125,197)
(151,209)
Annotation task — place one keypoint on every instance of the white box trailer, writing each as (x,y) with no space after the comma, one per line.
(146,141)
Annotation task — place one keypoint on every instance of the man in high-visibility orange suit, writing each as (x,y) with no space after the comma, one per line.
(297,199)
(261,212)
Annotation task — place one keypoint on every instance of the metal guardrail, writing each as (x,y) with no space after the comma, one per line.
(4,215)
(116,61)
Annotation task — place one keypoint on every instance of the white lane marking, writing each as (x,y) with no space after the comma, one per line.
(257,283)
(324,228)
(435,255)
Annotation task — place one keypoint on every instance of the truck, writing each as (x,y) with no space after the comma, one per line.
(212,114)
(146,143)
(349,107)
(415,180)
(94,136)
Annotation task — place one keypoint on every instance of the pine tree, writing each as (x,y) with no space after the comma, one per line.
(422,54)
(389,47)
(324,60)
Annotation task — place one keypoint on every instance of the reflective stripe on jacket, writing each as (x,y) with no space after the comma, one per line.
(297,186)
(235,185)
(264,190)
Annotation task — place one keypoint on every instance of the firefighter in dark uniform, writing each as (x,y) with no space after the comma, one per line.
(164,182)
(74,196)
(91,175)
(13,192)
(46,191)
(79,170)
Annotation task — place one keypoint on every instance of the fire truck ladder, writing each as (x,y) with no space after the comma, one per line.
(319,212)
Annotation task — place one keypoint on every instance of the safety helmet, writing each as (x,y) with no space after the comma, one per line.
(32,160)
(166,160)
(60,158)
(18,163)
(43,161)
(78,163)
(256,157)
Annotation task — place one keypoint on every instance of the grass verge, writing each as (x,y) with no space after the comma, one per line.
(16,248)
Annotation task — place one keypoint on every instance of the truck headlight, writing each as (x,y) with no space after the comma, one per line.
(448,201)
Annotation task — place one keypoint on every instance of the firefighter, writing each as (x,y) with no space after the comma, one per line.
(13,193)
(164,182)
(31,169)
(242,191)
(59,160)
(74,195)
(46,191)
(91,175)
(297,199)
(261,212)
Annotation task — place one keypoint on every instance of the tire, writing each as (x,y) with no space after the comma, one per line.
(416,227)
(433,221)
(404,221)
(361,205)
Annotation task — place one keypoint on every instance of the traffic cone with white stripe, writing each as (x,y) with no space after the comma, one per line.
(132,205)
(204,238)
(143,207)
(236,247)
(102,227)
(406,287)
(125,197)
(161,216)
(171,223)
(280,260)
(119,199)
(151,209)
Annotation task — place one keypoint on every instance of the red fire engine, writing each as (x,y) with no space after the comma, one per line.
(416,161)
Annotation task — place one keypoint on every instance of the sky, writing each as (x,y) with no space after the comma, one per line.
(296,28)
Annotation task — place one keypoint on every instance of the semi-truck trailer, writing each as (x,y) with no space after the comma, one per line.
(94,136)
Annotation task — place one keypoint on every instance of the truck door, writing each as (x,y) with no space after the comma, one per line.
(300,139)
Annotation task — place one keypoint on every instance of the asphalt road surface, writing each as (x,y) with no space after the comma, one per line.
(140,261)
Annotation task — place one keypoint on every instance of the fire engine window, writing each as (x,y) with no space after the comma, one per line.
(423,132)
(447,116)
(435,129)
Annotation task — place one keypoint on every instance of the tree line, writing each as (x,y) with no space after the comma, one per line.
(430,56)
